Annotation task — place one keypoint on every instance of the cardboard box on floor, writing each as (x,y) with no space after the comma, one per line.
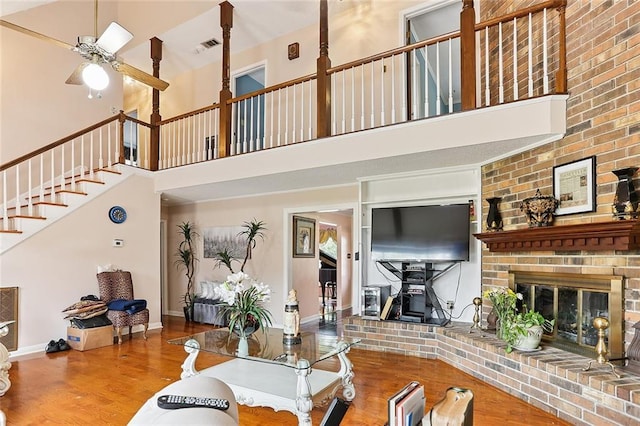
(83,339)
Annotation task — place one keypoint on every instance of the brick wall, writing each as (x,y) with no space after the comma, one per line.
(552,380)
(603,120)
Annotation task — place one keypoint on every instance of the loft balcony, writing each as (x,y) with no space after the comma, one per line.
(467,97)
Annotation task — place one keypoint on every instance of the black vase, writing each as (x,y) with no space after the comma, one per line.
(494,219)
(625,202)
(188,313)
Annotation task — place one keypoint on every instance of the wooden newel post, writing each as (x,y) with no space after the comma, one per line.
(324,81)
(226,22)
(121,120)
(154,146)
(468,55)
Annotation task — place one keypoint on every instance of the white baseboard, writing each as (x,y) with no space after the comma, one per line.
(37,349)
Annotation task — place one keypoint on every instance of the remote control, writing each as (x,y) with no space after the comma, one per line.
(172,402)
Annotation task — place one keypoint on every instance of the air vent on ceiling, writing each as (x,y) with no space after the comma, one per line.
(210,43)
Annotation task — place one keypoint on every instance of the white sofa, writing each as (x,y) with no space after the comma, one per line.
(198,386)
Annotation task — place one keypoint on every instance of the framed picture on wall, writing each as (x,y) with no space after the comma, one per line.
(304,237)
(574,186)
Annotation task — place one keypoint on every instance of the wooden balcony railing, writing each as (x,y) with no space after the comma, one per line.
(519,56)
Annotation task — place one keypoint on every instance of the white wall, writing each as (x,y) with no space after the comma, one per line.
(56,267)
(271,258)
(444,186)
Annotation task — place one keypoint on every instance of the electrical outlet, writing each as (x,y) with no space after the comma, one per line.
(450,304)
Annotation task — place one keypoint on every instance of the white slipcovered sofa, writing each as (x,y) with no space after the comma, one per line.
(198,386)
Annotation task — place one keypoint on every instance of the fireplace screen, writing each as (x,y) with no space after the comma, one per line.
(574,300)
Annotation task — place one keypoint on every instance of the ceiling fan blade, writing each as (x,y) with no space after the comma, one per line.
(114,37)
(76,75)
(140,75)
(35,34)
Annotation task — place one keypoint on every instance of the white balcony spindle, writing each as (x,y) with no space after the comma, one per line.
(405,83)
(344,102)
(414,85)
(5,207)
(252,120)
(286,116)
(293,121)
(302,110)
(373,100)
(310,109)
(393,89)
(17,202)
(29,188)
(334,130)
(91,154)
(259,127)
(353,100)
(438,89)
(515,59)
(73,165)
(500,66)
(41,185)
(279,115)
(530,60)
(382,111)
(362,107)
(545,53)
(52,182)
(487,91)
(426,81)
(450,79)
(82,164)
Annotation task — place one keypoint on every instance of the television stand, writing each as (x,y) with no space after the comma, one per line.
(418,298)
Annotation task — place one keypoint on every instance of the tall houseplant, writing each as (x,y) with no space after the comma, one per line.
(187,261)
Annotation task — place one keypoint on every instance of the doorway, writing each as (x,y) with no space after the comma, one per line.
(433,87)
(248,122)
(335,233)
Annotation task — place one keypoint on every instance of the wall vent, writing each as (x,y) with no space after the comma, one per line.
(210,43)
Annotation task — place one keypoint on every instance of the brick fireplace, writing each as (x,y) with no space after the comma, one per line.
(573,301)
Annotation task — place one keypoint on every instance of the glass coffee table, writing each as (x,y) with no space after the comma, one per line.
(275,375)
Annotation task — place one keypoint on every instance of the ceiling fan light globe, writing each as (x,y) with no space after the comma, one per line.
(95,77)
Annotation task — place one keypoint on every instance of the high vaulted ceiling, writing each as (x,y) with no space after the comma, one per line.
(198,21)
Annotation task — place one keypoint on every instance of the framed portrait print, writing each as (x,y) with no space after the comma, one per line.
(574,186)
(304,237)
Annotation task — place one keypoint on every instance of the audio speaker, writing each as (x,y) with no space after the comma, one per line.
(335,413)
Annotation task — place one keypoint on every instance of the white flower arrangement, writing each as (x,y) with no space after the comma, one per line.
(244,298)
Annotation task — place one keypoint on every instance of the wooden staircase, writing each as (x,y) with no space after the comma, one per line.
(45,208)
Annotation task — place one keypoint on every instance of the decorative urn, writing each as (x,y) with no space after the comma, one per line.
(539,209)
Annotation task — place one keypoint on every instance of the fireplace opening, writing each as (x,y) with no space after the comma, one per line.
(573,301)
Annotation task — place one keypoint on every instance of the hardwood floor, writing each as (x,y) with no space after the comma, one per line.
(108,385)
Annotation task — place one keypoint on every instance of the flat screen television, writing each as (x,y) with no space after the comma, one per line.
(421,233)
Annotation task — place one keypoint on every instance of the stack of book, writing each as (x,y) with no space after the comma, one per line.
(406,407)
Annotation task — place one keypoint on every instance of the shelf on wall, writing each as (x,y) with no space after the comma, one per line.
(614,235)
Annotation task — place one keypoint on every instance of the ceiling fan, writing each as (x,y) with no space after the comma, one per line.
(97,51)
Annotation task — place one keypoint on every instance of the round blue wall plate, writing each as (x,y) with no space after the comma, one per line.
(117,214)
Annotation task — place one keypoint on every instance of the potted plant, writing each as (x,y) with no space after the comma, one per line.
(187,260)
(243,305)
(524,330)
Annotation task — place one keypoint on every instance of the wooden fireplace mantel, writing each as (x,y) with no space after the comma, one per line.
(615,235)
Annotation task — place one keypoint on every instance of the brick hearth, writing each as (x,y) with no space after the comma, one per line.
(551,379)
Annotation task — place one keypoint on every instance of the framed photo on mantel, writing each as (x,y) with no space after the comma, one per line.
(574,186)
